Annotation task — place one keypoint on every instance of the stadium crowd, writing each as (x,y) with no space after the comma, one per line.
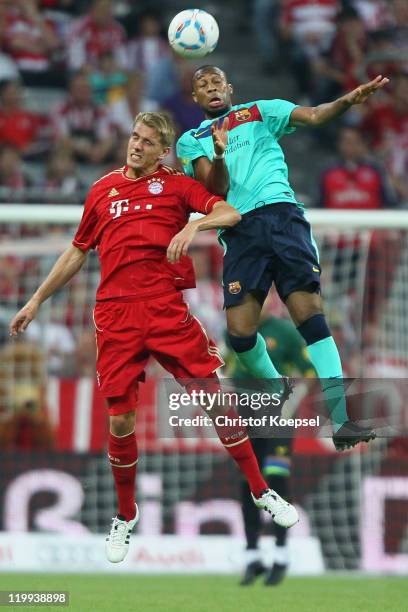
(73,74)
(72,77)
(332,46)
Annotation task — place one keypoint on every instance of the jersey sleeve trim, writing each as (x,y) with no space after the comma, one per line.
(80,245)
(171,170)
(117,171)
(211,202)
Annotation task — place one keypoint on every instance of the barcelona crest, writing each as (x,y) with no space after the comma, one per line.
(243,114)
(234,287)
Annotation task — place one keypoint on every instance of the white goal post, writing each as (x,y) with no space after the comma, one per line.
(335,219)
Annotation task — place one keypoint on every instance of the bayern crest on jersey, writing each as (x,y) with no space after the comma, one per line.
(155,186)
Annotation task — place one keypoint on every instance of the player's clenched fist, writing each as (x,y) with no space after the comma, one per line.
(180,242)
(23,318)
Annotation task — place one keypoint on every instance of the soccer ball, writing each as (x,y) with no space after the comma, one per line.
(193,33)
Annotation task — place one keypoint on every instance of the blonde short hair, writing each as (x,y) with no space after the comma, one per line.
(162,123)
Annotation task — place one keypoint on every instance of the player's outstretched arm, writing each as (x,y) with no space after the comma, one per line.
(214,174)
(319,115)
(222,215)
(66,266)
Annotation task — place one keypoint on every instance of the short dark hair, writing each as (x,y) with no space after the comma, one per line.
(348,127)
(206,68)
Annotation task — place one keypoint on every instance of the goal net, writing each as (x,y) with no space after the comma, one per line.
(188,486)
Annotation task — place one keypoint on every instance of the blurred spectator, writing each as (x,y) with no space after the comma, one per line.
(387,127)
(339,67)
(384,122)
(119,155)
(398,447)
(355,181)
(164,80)
(399,171)
(8,69)
(21,390)
(64,6)
(33,44)
(376,14)
(307,26)
(108,81)
(387,52)
(12,174)
(10,271)
(148,47)
(85,354)
(184,111)
(94,35)
(149,54)
(123,110)
(82,127)
(61,14)
(23,361)
(61,175)
(58,342)
(265,22)
(400,30)
(19,127)
(27,427)
(206,300)
(388,48)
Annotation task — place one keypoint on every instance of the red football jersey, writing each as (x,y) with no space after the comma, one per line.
(16,24)
(20,128)
(384,122)
(88,42)
(358,188)
(131,222)
(299,14)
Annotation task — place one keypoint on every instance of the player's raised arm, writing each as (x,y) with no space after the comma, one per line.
(66,266)
(319,115)
(222,215)
(202,151)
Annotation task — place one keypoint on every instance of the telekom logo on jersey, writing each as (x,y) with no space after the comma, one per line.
(119,206)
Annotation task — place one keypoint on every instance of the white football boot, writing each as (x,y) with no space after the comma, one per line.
(117,542)
(283,513)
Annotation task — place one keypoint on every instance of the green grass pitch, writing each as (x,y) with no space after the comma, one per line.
(136,593)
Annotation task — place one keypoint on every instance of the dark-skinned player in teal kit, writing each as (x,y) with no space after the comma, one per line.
(236,152)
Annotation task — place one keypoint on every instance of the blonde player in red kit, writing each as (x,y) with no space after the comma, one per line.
(137,218)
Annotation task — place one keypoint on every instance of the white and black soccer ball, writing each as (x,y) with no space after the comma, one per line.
(193,33)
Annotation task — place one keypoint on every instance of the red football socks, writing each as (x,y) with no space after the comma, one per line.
(235,440)
(122,453)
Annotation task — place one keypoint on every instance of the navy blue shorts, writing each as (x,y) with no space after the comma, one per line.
(272,244)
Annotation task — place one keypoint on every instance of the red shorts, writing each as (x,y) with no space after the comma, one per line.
(127,333)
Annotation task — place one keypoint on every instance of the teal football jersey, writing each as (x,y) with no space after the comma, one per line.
(255,160)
